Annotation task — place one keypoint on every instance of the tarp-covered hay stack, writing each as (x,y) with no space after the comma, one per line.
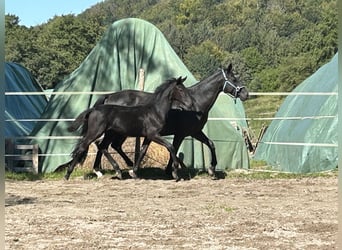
(22,108)
(305,141)
(126,47)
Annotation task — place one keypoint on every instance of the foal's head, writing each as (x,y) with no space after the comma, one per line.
(232,85)
(181,99)
(174,91)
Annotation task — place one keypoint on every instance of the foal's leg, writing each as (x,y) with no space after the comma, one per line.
(80,153)
(114,164)
(70,168)
(79,156)
(204,139)
(117,142)
(101,147)
(146,143)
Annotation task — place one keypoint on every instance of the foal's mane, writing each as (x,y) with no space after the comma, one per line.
(162,87)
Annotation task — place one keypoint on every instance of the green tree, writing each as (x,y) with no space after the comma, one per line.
(64,44)
(19,40)
(202,60)
(273,44)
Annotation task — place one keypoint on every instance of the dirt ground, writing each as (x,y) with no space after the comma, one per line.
(230,213)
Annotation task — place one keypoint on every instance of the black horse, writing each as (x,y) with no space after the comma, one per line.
(145,120)
(180,123)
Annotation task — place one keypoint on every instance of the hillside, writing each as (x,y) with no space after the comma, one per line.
(274,44)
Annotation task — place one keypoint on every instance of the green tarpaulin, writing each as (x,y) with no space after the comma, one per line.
(127,46)
(21,110)
(309,124)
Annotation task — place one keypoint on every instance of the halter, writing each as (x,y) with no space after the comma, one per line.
(236,88)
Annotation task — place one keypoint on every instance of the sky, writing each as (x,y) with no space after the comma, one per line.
(35,12)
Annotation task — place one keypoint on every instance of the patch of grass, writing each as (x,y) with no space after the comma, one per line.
(267,175)
(258,164)
(261,107)
(259,171)
(44,176)
(225,208)
(22,176)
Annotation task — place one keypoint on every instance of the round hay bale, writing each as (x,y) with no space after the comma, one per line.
(156,156)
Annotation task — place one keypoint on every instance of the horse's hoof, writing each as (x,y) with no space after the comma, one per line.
(214,178)
(132,174)
(211,172)
(66,178)
(98,173)
(119,175)
(175,175)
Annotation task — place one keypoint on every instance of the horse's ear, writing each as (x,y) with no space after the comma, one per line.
(181,80)
(230,67)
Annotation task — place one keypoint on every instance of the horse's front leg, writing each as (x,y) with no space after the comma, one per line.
(162,141)
(204,139)
(177,141)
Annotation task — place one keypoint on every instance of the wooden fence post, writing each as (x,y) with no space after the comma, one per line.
(141,85)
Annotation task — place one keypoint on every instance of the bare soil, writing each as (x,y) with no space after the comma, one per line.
(230,213)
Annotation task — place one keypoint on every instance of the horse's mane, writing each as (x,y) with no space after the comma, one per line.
(206,79)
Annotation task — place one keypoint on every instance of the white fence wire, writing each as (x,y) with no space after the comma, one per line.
(210,119)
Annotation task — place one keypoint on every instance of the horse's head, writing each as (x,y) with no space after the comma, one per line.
(232,85)
(181,99)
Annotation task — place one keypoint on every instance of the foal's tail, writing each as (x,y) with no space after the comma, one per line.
(101,100)
(81,119)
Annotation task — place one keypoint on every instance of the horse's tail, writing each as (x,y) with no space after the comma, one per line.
(81,119)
